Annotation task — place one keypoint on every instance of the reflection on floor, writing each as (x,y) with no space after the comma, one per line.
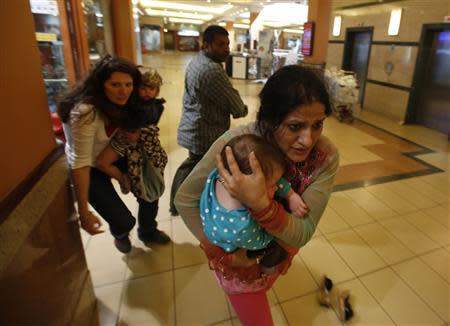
(384,235)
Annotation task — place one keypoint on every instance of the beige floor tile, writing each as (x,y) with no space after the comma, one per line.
(108,303)
(439,160)
(428,226)
(398,300)
(370,203)
(356,253)
(228,322)
(296,282)
(199,299)
(411,194)
(148,301)
(331,222)
(85,238)
(413,239)
(106,264)
(438,260)
(427,190)
(186,248)
(144,260)
(391,199)
(349,210)
(384,243)
(306,311)
(427,284)
(440,213)
(439,181)
(322,259)
(366,309)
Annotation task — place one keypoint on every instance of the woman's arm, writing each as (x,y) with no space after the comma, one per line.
(250,190)
(80,134)
(89,222)
(105,162)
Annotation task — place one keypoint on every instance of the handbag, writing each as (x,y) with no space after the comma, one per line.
(152,179)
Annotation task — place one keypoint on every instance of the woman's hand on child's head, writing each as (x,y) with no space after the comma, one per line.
(91,223)
(249,189)
(296,205)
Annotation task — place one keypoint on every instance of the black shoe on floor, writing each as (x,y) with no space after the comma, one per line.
(123,245)
(158,237)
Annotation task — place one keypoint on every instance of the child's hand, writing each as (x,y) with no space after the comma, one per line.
(125,184)
(132,136)
(296,204)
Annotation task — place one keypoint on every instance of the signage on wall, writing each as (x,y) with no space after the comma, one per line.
(308,37)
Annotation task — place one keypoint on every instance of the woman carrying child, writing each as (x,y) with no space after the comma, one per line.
(90,114)
(294,105)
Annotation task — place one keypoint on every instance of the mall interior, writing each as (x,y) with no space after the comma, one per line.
(384,236)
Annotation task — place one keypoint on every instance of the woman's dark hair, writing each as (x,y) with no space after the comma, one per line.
(211,32)
(268,155)
(91,90)
(287,89)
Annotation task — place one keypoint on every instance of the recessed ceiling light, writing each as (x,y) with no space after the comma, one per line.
(168,13)
(183,20)
(184,6)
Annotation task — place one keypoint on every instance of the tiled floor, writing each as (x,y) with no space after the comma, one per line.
(387,243)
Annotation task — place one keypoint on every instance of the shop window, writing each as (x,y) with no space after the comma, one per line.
(95,18)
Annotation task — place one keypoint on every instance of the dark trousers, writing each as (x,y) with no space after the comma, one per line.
(182,172)
(104,198)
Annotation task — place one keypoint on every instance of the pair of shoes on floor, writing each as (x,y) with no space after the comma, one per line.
(344,307)
(158,237)
(123,245)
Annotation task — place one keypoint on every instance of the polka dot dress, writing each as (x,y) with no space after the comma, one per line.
(229,229)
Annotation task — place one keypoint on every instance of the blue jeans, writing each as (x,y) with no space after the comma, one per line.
(104,198)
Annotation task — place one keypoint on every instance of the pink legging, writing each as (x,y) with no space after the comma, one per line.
(252,309)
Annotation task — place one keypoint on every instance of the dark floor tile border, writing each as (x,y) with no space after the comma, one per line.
(430,169)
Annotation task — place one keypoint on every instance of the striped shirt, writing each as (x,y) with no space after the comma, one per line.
(208,100)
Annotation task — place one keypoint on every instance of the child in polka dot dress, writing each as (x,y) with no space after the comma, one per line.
(227,223)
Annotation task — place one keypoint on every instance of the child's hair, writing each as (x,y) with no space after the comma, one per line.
(134,118)
(269,156)
(151,78)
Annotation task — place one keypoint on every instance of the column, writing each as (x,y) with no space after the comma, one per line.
(124,35)
(319,12)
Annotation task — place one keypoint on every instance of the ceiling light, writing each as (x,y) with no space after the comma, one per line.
(167,13)
(183,20)
(187,32)
(222,24)
(246,26)
(274,24)
(183,6)
(394,22)
(294,31)
(337,25)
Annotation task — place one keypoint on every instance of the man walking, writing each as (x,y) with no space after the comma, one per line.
(208,100)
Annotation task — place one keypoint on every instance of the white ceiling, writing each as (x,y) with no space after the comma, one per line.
(214,11)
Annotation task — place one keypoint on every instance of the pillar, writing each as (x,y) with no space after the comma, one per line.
(44,278)
(124,35)
(319,12)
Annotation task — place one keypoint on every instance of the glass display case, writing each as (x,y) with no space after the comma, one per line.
(48,36)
